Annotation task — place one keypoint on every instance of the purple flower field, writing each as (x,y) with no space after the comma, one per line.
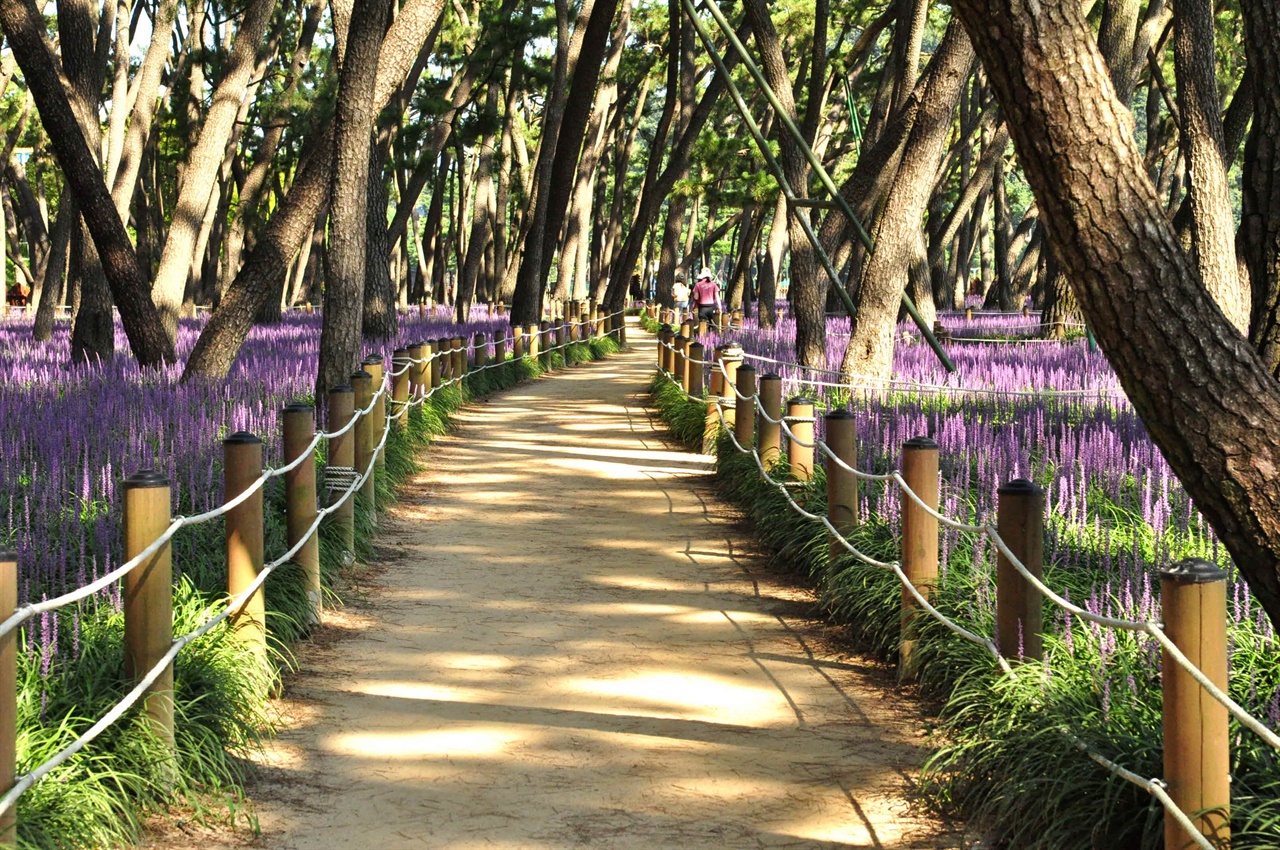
(71,434)
(1049,411)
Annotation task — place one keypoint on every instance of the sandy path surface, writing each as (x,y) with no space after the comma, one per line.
(570,648)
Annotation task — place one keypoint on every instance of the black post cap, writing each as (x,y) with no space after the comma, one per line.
(372,360)
(840,414)
(770,377)
(145,478)
(920,443)
(242,438)
(800,399)
(1019,487)
(299,407)
(341,388)
(361,375)
(1193,571)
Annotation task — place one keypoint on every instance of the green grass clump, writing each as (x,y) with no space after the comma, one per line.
(102,795)
(1005,756)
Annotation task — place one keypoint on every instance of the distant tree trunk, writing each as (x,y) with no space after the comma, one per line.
(203,163)
(870,349)
(1001,294)
(1203,151)
(668,258)
(771,268)
(379,319)
(261,278)
(1260,183)
(481,222)
(353,126)
(807,296)
(55,274)
(1208,401)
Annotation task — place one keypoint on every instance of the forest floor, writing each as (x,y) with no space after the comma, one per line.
(569,642)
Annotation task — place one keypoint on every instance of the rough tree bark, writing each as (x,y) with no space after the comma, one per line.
(1207,399)
(1204,149)
(203,164)
(352,128)
(870,349)
(24,28)
(260,279)
(1260,207)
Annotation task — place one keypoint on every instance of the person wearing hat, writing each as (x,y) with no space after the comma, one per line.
(680,293)
(706,296)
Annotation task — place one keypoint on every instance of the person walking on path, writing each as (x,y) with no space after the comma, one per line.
(706,296)
(680,292)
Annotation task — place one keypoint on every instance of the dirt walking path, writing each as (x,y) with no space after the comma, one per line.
(570,648)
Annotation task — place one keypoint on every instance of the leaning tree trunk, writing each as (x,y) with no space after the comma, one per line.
(808,297)
(379,320)
(262,275)
(25,31)
(1208,401)
(870,349)
(200,174)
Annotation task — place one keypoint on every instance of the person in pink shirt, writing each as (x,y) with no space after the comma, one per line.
(706,296)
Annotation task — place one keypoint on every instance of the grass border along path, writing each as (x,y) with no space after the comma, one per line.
(102,796)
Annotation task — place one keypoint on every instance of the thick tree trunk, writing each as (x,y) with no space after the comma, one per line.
(771,268)
(870,350)
(1207,400)
(1203,149)
(348,237)
(807,296)
(1260,183)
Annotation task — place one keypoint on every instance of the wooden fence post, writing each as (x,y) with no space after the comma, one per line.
(341,462)
(696,353)
(1020,522)
(479,356)
(436,367)
(500,346)
(148,598)
(400,388)
(665,336)
(518,347)
(9,692)
(769,433)
(298,423)
(362,383)
(242,467)
(730,359)
(681,345)
(444,349)
(744,417)
(800,423)
(842,485)
(377,369)
(1197,757)
(545,344)
(919,541)
(533,343)
(459,357)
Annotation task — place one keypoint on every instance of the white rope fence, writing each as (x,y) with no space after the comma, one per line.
(21,615)
(1155,787)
